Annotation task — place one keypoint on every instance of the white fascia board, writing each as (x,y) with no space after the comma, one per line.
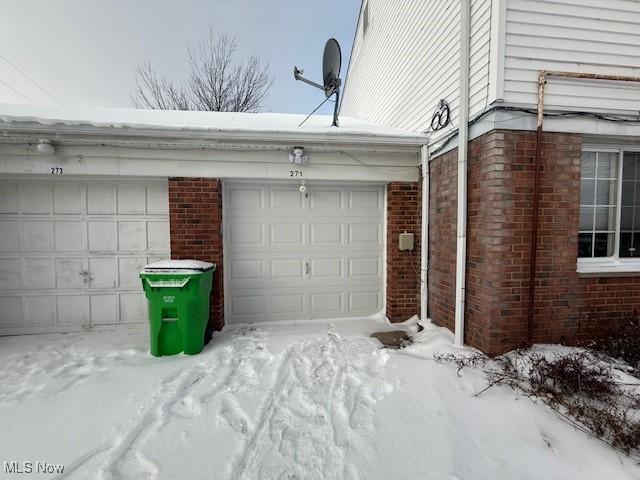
(212,137)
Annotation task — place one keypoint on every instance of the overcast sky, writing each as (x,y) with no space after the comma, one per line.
(85,53)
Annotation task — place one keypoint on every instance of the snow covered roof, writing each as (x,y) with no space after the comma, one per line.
(230,125)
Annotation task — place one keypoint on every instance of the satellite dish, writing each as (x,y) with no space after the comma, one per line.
(331,62)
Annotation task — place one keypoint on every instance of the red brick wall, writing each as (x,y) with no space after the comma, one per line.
(500,182)
(441,276)
(403,267)
(195,216)
(568,308)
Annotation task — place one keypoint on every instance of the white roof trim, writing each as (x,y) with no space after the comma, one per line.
(216,126)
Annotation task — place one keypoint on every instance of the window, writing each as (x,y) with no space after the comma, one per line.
(609,228)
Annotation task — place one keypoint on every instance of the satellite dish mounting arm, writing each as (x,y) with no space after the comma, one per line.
(297,73)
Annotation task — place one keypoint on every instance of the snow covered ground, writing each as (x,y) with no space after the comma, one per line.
(288,401)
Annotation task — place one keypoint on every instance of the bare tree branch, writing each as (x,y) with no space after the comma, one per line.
(215,82)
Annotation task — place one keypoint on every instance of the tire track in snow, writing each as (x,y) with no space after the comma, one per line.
(175,400)
(249,449)
(322,396)
(229,365)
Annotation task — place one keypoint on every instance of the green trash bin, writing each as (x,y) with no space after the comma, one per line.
(178,297)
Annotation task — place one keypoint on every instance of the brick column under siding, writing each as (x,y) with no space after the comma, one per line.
(403,268)
(441,275)
(195,225)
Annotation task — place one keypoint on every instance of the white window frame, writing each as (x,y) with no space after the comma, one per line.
(612,265)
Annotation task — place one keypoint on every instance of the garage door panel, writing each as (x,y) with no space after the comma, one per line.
(69,236)
(132,236)
(37,235)
(287,269)
(133,308)
(325,268)
(365,199)
(38,273)
(69,273)
(286,303)
(69,259)
(247,304)
(326,234)
(103,272)
(104,308)
(322,257)
(73,310)
(365,267)
(158,236)
(365,233)
(286,234)
(35,198)
(128,271)
(364,301)
(326,201)
(327,303)
(68,198)
(245,198)
(9,237)
(246,234)
(157,200)
(40,310)
(10,311)
(101,199)
(8,198)
(131,199)
(102,236)
(243,270)
(10,274)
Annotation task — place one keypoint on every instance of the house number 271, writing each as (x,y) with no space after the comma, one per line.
(295,173)
(56,171)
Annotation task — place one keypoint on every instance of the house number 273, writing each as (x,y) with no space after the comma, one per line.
(56,171)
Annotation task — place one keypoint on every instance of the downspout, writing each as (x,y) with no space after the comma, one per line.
(463,140)
(424,240)
(533,264)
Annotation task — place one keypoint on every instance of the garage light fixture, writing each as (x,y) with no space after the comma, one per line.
(45,147)
(297,156)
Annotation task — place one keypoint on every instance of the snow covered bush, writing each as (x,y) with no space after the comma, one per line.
(581,386)
(623,345)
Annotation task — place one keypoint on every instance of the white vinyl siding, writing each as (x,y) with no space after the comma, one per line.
(409,60)
(590,36)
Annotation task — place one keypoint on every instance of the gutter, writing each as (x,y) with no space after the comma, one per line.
(213,135)
(463,140)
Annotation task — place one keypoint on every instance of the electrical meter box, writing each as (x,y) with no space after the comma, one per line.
(405,241)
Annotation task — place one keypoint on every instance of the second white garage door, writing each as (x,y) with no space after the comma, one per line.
(292,255)
(71,250)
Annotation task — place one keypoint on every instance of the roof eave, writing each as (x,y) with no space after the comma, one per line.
(219,135)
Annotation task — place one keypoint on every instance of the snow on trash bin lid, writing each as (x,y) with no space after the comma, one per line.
(183,266)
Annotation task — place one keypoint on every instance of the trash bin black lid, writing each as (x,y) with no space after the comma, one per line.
(179,265)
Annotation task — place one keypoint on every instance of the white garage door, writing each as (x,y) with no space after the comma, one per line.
(291,255)
(71,250)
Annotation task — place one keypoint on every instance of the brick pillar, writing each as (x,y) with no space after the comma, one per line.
(441,277)
(195,216)
(403,268)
